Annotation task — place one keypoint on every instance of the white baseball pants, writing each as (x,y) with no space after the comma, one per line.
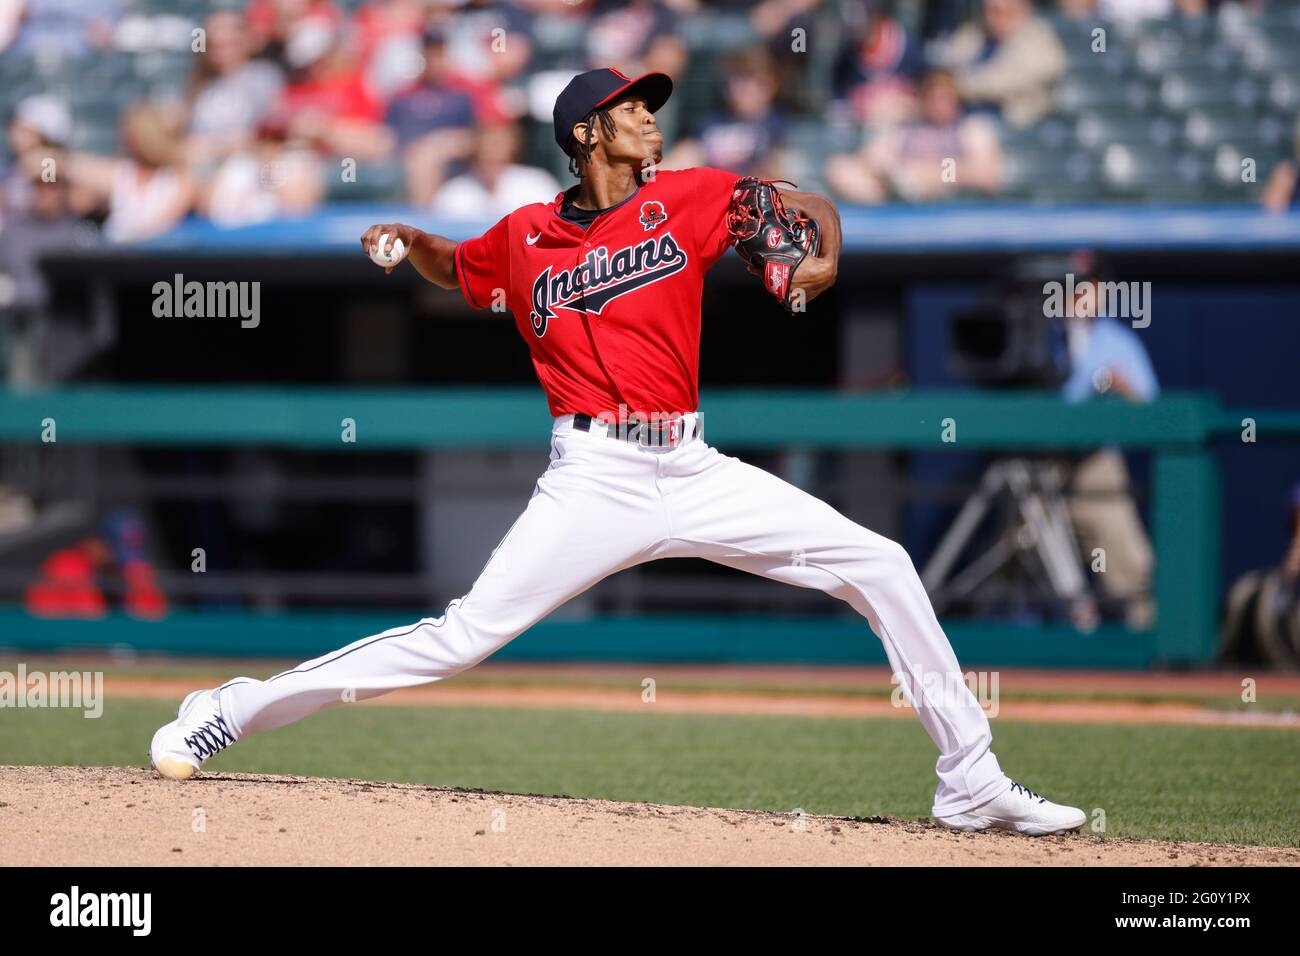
(605,504)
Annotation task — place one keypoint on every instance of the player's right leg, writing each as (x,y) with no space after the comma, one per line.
(593,512)
(730,512)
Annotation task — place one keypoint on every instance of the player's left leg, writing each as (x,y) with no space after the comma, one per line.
(735,514)
(594,511)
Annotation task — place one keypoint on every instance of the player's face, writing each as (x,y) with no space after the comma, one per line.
(636,137)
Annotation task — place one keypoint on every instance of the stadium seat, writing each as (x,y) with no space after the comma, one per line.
(1227,167)
(1077,93)
(1073,34)
(1181,91)
(108,66)
(720,33)
(697,93)
(1095,129)
(1265,54)
(376,182)
(97,137)
(1130,170)
(1280,131)
(1115,61)
(17,89)
(1280,20)
(820,139)
(1053,131)
(1204,129)
(1045,174)
(196,9)
(1283,92)
(1160,51)
(164,66)
(557,39)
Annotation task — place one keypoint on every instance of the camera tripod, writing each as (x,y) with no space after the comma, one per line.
(1037,524)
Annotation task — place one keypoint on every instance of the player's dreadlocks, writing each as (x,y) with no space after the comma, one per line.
(582,150)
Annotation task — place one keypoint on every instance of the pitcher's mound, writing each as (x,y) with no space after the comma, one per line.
(127,816)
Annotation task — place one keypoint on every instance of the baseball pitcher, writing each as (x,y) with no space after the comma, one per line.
(605,286)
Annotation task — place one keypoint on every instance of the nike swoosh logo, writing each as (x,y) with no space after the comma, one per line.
(532,240)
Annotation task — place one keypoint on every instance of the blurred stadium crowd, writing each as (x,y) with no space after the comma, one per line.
(145,111)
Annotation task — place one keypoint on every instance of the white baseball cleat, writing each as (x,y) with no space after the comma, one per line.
(199,731)
(1020,809)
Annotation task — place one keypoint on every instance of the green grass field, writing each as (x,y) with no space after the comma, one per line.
(1220,785)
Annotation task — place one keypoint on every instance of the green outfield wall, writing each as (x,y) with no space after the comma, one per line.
(1176,430)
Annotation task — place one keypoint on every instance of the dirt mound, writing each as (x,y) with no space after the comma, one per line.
(126,816)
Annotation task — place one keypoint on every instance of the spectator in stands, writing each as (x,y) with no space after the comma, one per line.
(37,217)
(1108,358)
(774,18)
(39,129)
(389,43)
(746,137)
(636,37)
(495,184)
(941,18)
(69,28)
(1083,11)
(1282,189)
(490,42)
(877,67)
(1134,11)
(270,178)
(378,21)
(229,92)
(937,156)
(777,21)
(11,14)
(1008,62)
(43,223)
(439,74)
(1131,11)
(434,121)
(1192,13)
(146,191)
(271,21)
(327,102)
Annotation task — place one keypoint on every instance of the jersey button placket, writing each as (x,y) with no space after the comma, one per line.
(600,323)
(587,244)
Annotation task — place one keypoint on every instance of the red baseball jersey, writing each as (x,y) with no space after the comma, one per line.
(611,312)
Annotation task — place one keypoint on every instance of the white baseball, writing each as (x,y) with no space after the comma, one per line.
(380,258)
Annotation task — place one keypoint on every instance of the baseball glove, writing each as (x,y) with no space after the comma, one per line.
(771,240)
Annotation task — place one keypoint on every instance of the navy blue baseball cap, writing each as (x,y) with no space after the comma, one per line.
(595,88)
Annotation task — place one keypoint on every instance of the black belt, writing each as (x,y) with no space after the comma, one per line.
(665,433)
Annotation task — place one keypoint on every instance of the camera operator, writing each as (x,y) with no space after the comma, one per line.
(1108,358)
